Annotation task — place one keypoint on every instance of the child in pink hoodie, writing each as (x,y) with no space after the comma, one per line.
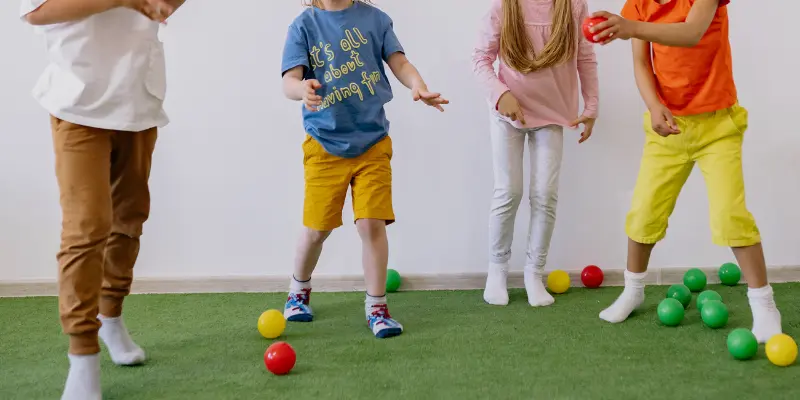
(533,95)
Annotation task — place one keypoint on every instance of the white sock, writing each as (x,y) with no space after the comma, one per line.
(496,292)
(297,286)
(766,317)
(537,293)
(631,298)
(83,381)
(371,301)
(120,346)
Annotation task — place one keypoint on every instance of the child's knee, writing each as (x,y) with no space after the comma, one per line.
(507,198)
(315,237)
(734,229)
(645,227)
(370,229)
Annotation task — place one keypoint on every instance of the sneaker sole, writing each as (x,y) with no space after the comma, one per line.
(389,332)
(301,318)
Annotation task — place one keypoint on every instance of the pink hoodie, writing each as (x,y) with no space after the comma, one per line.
(549,96)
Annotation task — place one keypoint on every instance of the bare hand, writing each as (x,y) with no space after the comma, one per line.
(156,10)
(615,27)
(588,126)
(311,100)
(434,100)
(508,106)
(662,121)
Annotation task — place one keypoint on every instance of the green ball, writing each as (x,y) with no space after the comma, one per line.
(695,279)
(714,314)
(681,293)
(393,281)
(729,274)
(670,312)
(707,295)
(742,344)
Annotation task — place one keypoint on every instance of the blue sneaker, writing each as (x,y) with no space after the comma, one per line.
(297,308)
(382,324)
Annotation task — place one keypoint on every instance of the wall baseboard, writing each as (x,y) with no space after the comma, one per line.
(328,283)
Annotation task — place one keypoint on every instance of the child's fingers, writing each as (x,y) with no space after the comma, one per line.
(429,95)
(313,84)
(438,107)
(603,14)
(606,34)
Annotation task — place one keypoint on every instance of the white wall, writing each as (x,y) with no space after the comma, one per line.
(227,181)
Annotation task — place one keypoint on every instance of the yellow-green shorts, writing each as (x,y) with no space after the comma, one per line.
(328,178)
(713,141)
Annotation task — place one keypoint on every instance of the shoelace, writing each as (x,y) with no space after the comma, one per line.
(380,311)
(301,297)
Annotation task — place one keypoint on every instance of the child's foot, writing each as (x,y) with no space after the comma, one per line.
(496,292)
(297,308)
(120,346)
(766,317)
(83,381)
(381,323)
(630,299)
(537,293)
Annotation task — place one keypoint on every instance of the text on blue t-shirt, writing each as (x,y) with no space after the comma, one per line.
(344,50)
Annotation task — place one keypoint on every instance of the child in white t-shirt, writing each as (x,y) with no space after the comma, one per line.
(104,89)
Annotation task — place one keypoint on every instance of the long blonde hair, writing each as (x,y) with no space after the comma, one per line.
(318,3)
(516,48)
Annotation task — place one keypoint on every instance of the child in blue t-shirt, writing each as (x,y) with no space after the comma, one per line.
(333,63)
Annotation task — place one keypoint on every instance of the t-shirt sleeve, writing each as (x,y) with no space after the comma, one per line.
(29,6)
(391,44)
(295,51)
(631,10)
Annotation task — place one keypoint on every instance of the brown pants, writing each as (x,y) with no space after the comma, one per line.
(105,200)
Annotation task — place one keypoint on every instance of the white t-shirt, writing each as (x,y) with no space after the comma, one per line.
(106,71)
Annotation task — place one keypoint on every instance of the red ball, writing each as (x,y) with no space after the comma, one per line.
(280,358)
(592,276)
(588,23)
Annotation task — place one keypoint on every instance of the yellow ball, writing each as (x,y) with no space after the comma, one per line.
(558,281)
(271,324)
(781,350)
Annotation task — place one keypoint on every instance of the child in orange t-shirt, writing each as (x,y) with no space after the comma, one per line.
(682,59)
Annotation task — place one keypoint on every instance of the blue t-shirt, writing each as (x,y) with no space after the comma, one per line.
(344,50)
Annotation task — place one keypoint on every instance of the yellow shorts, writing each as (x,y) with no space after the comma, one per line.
(714,141)
(328,177)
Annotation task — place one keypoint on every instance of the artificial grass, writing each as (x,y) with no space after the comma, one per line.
(206,346)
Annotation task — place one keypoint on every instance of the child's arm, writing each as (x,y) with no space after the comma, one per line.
(297,89)
(408,75)
(680,34)
(483,58)
(58,11)
(661,117)
(590,85)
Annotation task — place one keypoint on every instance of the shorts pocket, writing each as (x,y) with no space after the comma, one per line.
(738,117)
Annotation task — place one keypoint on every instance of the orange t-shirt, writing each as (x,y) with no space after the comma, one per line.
(690,80)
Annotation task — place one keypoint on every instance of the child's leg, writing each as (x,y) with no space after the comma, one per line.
(546,146)
(372,208)
(720,159)
(766,317)
(664,169)
(508,145)
(131,158)
(327,178)
(83,173)
(374,254)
